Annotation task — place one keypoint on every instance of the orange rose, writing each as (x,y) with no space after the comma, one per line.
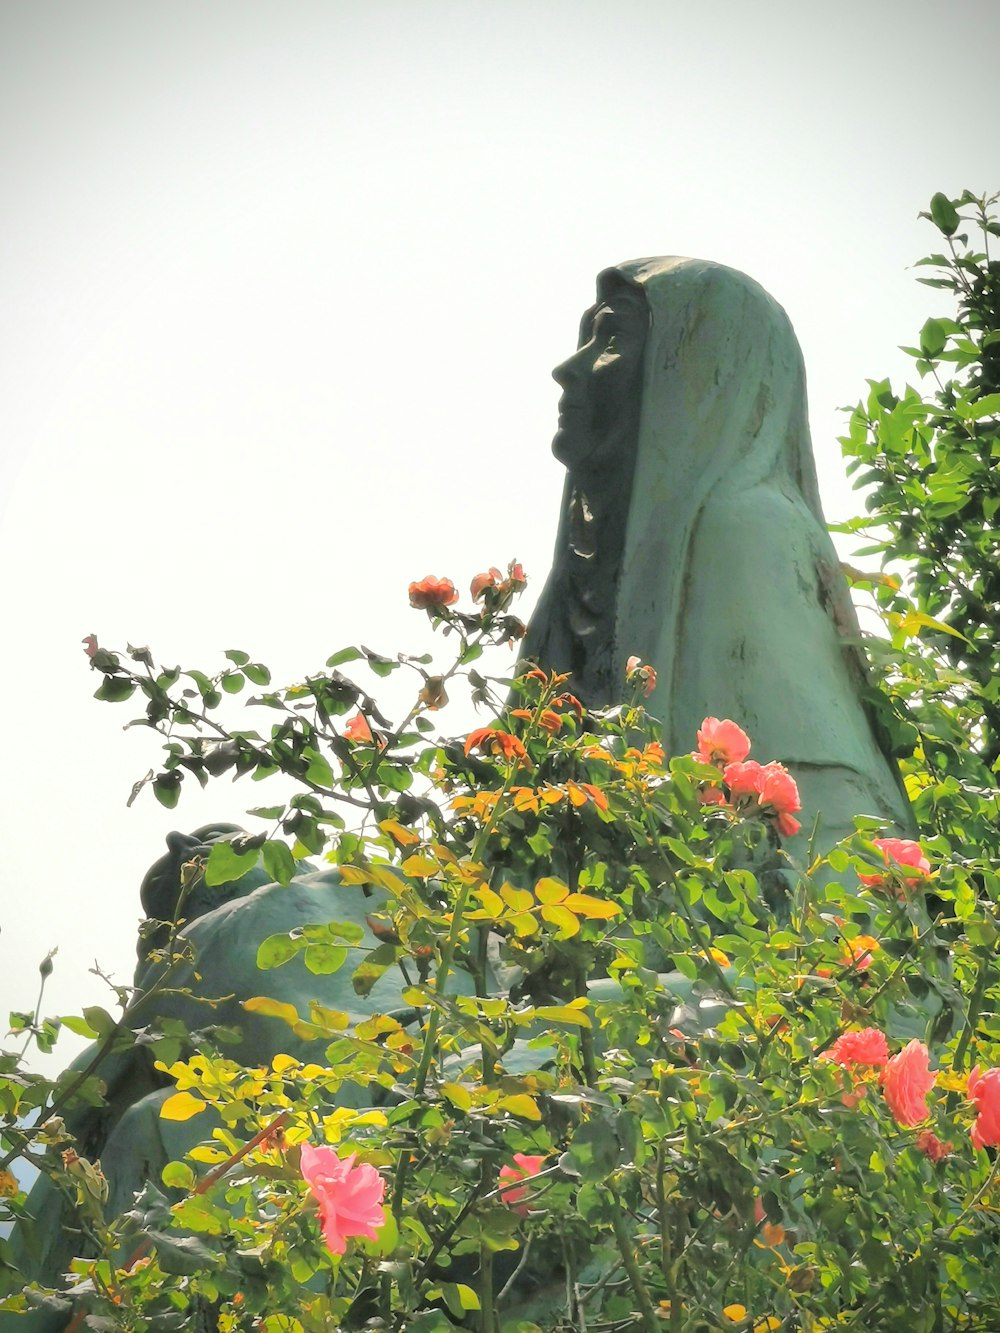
(431,593)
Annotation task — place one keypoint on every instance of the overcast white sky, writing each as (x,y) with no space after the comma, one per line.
(281,286)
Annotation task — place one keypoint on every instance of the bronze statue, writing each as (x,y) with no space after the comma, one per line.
(691,535)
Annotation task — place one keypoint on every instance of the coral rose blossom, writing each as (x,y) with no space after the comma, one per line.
(984,1090)
(899,853)
(773,786)
(431,592)
(526,1165)
(721,742)
(906,1081)
(349,1196)
(867,1047)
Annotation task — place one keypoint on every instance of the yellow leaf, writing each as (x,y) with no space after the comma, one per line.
(525,799)
(597,908)
(404,836)
(457,1095)
(549,890)
(421,866)
(524,925)
(491,901)
(565,922)
(562,1013)
(913,622)
(261,1004)
(552,795)
(181,1106)
(354,875)
(735,1312)
(282,1062)
(520,1104)
(767,1325)
(576,794)
(210,1156)
(520,899)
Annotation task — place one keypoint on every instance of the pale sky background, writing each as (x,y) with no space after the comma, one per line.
(281,285)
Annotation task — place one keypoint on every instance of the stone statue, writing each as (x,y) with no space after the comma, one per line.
(691,535)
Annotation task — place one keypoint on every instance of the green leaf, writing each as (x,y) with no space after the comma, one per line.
(115,689)
(278,949)
(232,682)
(257,673)
(932,338)
(99,1020)
(237,656)
(224,865)
(278,861)
(345,655)
(322,959)
(178,1176)
(944,214)
(167,789)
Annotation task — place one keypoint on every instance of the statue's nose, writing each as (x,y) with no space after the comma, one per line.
(567,371)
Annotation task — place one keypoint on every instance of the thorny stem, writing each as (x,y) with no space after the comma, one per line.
(650,1322)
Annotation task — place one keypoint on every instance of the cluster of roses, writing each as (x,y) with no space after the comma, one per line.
(768,788)
(906,1079)
(349,1197)
(491,588)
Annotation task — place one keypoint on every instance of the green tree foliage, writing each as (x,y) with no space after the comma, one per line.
(929,460)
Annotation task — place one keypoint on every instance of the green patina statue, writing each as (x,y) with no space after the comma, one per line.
(692,536)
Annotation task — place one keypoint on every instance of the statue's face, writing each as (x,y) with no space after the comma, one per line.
(602,380)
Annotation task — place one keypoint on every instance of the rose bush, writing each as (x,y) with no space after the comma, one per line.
(646,1070)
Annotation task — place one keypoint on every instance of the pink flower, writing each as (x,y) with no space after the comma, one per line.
(867,1047)
(525,1166)
(906,1081)
(349,1196)
(931,1146)
(773,786)
(899,852)
(721,742)
(90,645)
(640,676)
(743,779)
(984,1090)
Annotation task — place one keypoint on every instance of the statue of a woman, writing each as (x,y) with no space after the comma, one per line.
(692,536)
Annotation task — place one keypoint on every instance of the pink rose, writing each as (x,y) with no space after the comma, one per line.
(526,1165)
(906,1081)
(984,1090)
(867,1047)
(773,786)
(743,779)
(349,1196)
(899,852)
(721,742)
